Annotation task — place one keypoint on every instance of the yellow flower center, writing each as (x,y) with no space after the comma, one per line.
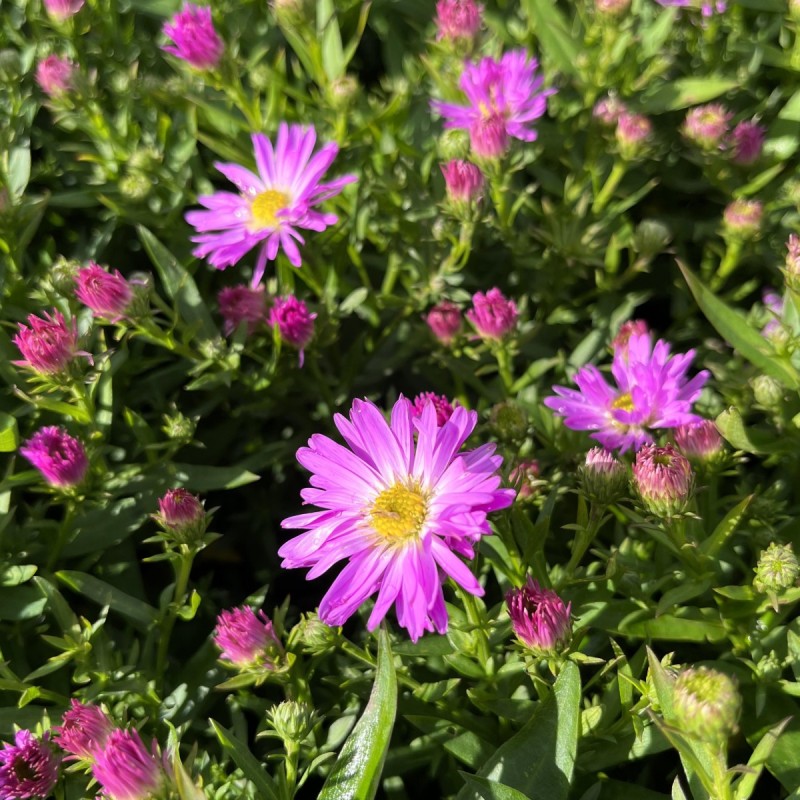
(266,205)
(399,512)
(624,401)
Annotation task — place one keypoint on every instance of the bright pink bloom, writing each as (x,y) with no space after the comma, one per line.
(505,97)
(242,304)
(60,458)
(663,478)
(442,406)
(398,507)
(195,40)
(84,730)
(247,639)
(633,327)
(492,314)
(270,206)
(700,441)
(107,294)
(126,769)
(464,182)
(28,768)
(651,392)
(444,320)
(540,618)
(458,19)
(55,75)
(608,110)
(294,321)
(747,141)
(61,9)
(707,126)
(49,345)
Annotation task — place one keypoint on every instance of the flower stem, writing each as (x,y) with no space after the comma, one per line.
(609,187)
(729,263)
(182,571)
(585,537)
(476,620)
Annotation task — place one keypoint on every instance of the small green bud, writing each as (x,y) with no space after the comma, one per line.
(135,186)
(769,667)
(777,569)
(292,721)
(767,391)
(706,704)
(651,238)
(343,91)
(63,274)
(508,421)
(179,427)
(453,145)
(293,13)
(317,637)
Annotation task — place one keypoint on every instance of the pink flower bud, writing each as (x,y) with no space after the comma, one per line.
(84,730)
(444,320)
(55,75)
(28,768)
(242,304)
(247,639)
(195,40)
(664,479)
(742,218)
(107,294)
(747,141)
(488,136)
(540,618)
(126,770)
(632,133)
(612,8)
(463,181)
(182,515)
(603,477)
(441,404)
(699,441)
(62,9)
(49,345)
(294,321)
(458,20)
(525,479)
(492,314)
(58,456)
(633,327)
(608,110)
(707,126)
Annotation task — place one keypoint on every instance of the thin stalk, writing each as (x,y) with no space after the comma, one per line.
(609,187)
(184,568)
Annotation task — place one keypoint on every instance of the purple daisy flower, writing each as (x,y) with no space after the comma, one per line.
(505,97)
(270,206)
(398,505)
(651,392)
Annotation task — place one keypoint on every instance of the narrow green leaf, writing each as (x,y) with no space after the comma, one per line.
(554,36)
(539,760)
(59,607)
(492,790)
(187,790)
(331,40)
(9,435)
(20,602)
(752,439)
(357,772)
(107,595)
(734,328)
(783,138)
(251,767)
(19,171)
(762,751)
(201,478)
(726,528)
(179,285)
(686,92)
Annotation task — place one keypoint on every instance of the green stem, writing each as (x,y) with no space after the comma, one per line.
(477,622)
(290,767)
(182,572)
(504,367)
(585,537)
(729,263)
(609,187)
(63,536)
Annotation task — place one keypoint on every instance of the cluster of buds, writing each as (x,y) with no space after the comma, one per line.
(247,642)
(663,479)
(492,314)
(182,517)
(441,404)
(708,127)
(603,477)
(540,618)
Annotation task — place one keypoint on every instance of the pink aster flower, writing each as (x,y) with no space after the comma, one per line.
(246,639)
(505,97)
(242,304)
(540,618)
(107,294)
(444,320)
(664,479)
(458,19)
(442,406)
(492,314)
(49,345)
(62,9)
(126,769)
(84,730)
(747,140)
(651,391)
(60,458)
(55,75)
(294,321)
(28,768)
(195,40)
(270,206)
(463,181)
(398,503)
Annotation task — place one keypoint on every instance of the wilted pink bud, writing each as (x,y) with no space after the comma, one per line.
(633,131)
(742,218)
(441,404)
(525,479)
(126,770)
(463,181)
(458,19)
(196,41)
(182,515)
(49,345)
(707,125)
(247,639)
(633,327)
(61,9)
(699,441)
(107,294)
(540,618)
(444,319)
(747,141)
(664,479)
(608,110)
(294,321)
(488,136)
(60,458)
(492,314)
(242,304)
(84,730)
(54,75)
(28,768)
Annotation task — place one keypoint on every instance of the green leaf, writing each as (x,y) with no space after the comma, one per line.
(20,602)
(726,528)
(685,625)
(331,40)
(179,285)
(187,790)
(107,595)
(251,767)
(686,92)
(734,328)
(553,34)
(762,751)
(752,439)
(200,478)
(539,760)
(782,138)
(357,772)
(19,171)
(9,435)
(491,790)
(17,574)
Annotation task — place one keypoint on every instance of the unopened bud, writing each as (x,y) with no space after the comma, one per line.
(508,421)
(603,477)
(767,391)
(651,238)
(663,479)
(453,145)
(777,569)
(706,705)
(292,721)
(182,516)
